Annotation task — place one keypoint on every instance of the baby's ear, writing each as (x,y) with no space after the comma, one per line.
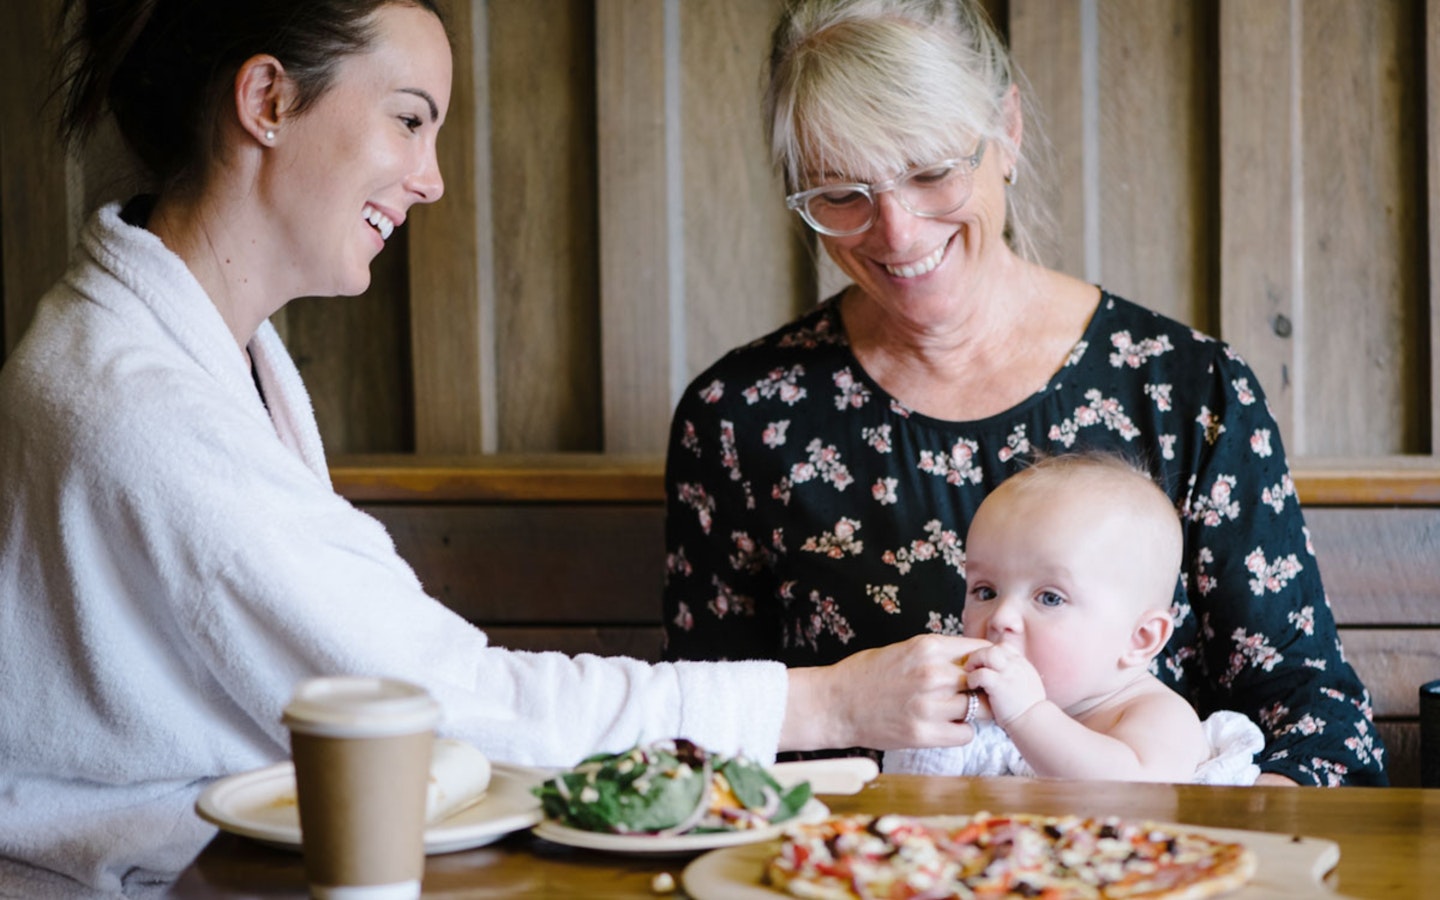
(1151,631)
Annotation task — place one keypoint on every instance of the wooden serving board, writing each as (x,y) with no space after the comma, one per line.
(1289,866)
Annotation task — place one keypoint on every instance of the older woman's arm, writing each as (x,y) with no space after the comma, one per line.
(1268,637)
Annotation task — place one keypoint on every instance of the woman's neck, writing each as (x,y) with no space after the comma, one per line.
(216,240)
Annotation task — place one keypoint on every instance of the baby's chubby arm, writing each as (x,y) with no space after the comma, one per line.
(1153,736)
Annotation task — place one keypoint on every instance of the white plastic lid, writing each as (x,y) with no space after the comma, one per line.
(351,706)
(405,890)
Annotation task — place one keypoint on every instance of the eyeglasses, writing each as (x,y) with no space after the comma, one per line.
(931,190)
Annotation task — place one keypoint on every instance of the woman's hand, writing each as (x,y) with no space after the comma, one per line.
(902,695)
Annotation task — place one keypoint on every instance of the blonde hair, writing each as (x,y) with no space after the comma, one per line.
(878,86)
(1121,481)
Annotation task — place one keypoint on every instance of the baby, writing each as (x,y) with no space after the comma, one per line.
(1071,567)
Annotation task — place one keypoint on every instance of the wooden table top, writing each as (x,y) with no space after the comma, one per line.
(1389,838)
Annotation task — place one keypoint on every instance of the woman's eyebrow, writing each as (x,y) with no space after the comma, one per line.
(424,95)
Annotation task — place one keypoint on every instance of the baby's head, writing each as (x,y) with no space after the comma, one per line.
(1073,562)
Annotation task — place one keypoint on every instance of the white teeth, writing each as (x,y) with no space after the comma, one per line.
(925,265)
(381,222)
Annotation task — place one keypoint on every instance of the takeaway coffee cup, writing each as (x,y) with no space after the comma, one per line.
(362,761)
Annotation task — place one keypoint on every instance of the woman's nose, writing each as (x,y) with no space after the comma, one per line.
(893,222)
(426,181)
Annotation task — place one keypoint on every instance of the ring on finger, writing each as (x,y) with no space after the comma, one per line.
(971,708)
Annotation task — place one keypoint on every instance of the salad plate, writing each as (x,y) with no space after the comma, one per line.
(673,845)
(261,805)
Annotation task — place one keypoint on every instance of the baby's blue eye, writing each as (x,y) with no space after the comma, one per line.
(1050,598)
(983,593)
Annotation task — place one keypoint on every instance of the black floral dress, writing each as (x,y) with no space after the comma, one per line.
(811,515)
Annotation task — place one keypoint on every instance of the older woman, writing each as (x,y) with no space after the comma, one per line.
(821,480)
(172,555)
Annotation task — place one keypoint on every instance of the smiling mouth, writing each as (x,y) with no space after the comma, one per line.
(918,268)
(379,221)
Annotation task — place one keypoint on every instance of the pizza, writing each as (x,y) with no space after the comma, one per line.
(983,855)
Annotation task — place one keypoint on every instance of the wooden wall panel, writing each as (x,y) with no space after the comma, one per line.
(1048,43)
(1380,566)
(546,324)
(638,224)
(747,265)
(1363,228)
(35,236)
(1155,155)
(1259,285)
(450,272)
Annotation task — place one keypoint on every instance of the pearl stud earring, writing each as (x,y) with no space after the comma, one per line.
(269,135)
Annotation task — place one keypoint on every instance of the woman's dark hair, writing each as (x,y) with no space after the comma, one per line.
(163,67)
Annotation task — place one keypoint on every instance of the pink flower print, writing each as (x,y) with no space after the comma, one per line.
(884,491)
(802,472)
(899,409)
(782,383)
(887,596)
(1160,393)
(1216,507)
(957,466)
(1205,582)
(689,440)
(1132,354)
(1272,716)
(1251,650)
(835,544)
(1270,576)
(727,602)
(1260,442)
(774,434)
(1306,724)
(677,564)
(878,438)
(748,556)
(852,393)
(1211,423)
(1016,444)
(939,544)
(1243,391)
(1303,619)
(712,392)
(683,619)
(729,457)
(949,624)
(1167,446)
(695,497)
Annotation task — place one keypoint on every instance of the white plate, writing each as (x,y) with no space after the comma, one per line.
(261,805)
(675,845)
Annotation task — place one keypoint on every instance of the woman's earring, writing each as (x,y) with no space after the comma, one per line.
(1012,176)
(270,137)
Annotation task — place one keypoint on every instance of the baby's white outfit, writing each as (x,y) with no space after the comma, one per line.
(1234,741)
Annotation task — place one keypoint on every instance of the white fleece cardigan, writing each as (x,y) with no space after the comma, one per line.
(173,559)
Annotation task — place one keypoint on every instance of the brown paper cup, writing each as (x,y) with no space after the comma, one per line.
(362,751)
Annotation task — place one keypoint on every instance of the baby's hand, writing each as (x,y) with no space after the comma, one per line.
(1009,681)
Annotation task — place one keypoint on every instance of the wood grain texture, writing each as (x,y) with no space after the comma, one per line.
(1363,228)
(747,266)
(450,274)
(354,354)
(1380,567)
(547,329)
(1393,663)
(536,564)
(1156,157)
(637,232)
(35,233)
(1260,298)
(1045,42)
(1432,197)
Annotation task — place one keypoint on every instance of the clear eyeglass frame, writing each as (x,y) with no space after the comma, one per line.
(966,165)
